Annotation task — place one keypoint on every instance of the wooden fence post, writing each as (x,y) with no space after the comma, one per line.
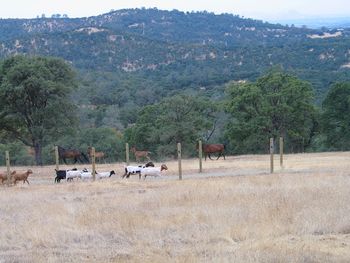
(93,163)
(179,159)
(57,160)
(281,152)
(127,153)
(200,153)
(7,154)
(271,155)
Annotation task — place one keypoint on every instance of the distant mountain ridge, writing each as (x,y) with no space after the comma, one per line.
(177,50)
(317,22)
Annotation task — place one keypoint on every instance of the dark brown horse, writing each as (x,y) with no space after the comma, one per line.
(213,148)
(74,154)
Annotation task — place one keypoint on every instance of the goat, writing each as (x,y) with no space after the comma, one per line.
(22,176)
(105,174)
(62,174)
(88,175)
(71,174)
(154,171)
(3,176)
(135,169)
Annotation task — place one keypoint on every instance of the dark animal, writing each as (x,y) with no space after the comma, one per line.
(213,148)
(74,154)
(140,154)
(60,175)
(136,169)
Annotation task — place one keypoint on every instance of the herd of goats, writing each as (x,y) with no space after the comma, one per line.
(145,170)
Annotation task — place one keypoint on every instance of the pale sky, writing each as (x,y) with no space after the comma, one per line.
(260,9)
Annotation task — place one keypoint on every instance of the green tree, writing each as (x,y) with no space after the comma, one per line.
(34,98)
(180,118)
(335,120)
(277,104)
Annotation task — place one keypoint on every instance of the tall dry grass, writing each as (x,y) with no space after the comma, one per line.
(299,214)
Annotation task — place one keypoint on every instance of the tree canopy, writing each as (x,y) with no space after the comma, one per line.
(180,118)
(336,117)
(34,98)
(277,104)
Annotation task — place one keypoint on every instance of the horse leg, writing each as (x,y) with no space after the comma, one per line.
(64,160)
(209,156)
(218,156)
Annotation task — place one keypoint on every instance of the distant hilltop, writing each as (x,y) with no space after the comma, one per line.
(317,23)
(173,50)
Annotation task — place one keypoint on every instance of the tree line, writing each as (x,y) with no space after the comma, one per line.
(38,110)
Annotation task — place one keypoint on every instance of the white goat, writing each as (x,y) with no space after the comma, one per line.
(105,174)
(88,175)
(135,169)
(153,171)
(70,174)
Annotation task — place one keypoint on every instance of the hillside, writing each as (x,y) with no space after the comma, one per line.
(154,53)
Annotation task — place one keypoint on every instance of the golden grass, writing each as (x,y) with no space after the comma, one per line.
(235,211)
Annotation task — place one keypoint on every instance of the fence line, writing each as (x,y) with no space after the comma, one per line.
(179,160)
(57,159)
(127,160)
(179,156)
(271,155)
(281,152)
(200,155)
(7,154)
(93,163)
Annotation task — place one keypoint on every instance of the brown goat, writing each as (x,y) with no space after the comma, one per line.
(22,176)
(3,176)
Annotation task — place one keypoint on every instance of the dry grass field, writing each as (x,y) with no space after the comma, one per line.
(235,211)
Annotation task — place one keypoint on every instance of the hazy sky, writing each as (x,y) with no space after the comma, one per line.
(261,9)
